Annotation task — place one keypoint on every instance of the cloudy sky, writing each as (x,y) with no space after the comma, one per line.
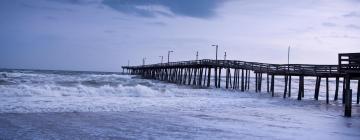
(102,35)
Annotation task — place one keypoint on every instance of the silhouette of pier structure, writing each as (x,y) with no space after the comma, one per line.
(237,75)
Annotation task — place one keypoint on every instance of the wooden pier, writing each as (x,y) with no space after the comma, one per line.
(238,73)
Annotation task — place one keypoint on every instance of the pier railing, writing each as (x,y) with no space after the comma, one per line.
(279,69)
(349,63)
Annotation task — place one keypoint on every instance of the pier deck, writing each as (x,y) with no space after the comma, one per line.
(237,75)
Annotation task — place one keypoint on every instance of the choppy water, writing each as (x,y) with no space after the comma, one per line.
(123,106)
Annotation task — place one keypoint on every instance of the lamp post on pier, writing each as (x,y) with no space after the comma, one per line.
(169,55)
(144,60)
(217,46)
(197,55)
(162,58)
(288,58)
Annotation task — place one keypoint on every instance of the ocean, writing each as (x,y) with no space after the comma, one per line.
(45,104)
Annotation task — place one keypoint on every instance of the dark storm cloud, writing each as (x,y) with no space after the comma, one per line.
(76,1)
(328,24)
(353,14)
(190,8)
(353,26)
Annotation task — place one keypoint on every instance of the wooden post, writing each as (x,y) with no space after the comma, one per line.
(289,95)
(200,76)
(234,80)
(316,83)
(327,90)
(184,78)
(344,90)
(317,88)
(204,82)
(358,92)
(267,83)
(215,76)
(219,78)
(173,78)
(237,78)
(227,78)
(300,87)
(246,79)
(230,85)
(286,86)
(336,89)
(260,81)
(249,81)
(166,75)
(272,85)
(348,103)
(170,75)
(190,76)
(256,82)
(209,74)
(242,79)
(180,76)
(195,72)
(348,96)
(175,75)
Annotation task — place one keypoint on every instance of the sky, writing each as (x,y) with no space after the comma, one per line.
(103,35)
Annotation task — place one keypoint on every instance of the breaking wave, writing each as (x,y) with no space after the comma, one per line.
(61,91)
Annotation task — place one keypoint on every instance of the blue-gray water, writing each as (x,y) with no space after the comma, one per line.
(94,105)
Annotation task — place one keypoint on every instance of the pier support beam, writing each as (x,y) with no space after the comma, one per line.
(215,76)
(317,88)
(209,74)
(205,77)
(344,90)
(200,76)
(246,79)
(358,92)
(327,90)
(185,76)
(256,82)
(272,85)
(260,81)
(267,83)
(219,78)
(242,79)
(301,87)
(348,97)
(286,86)
(227,78)
(249,77)
(336,89)
(190,75)
(289,95)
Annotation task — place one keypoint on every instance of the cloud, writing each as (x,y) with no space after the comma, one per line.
(328,24)
(157,23)
(352,14)
(353,26)
(77,1)
(152,8)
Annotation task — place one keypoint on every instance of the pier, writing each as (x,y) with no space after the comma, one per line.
(238,73)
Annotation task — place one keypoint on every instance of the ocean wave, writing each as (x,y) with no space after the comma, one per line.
(80,90)
(22,90)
